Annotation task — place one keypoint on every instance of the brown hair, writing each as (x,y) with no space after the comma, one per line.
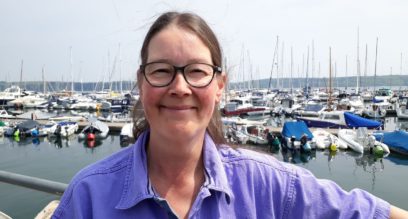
(199,27)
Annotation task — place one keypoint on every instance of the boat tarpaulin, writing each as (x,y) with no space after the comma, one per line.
(396,139)
(296,129)
(355,121)
(27,125)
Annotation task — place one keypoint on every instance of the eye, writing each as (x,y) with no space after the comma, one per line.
(159,70)
(199,70)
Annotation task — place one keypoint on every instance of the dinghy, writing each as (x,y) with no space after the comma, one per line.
(324,140)
(360,140)
(94,130)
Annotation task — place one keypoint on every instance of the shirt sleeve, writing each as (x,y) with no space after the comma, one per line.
(75,203)
(310,197)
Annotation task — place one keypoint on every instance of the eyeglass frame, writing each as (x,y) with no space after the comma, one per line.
(216,70)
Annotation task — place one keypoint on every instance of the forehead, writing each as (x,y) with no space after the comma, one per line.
(178,46)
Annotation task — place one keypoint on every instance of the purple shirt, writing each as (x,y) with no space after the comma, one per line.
(238,184)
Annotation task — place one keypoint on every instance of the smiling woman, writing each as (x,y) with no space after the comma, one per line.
(180,167)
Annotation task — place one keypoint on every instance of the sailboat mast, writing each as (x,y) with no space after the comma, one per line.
(313,62)
(120,70)
(358,60)
(71,70)
(330,79)
(282,65)
(347,80)
(277,67)
(375,65)
(365,65)
(307,72)
(291,70)
(21,73)
(273,62)
(43,79)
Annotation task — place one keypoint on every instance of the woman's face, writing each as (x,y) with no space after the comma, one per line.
(179,110)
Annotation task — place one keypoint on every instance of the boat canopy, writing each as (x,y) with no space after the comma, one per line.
(396,139)
(296,129)
(355,121)
(27,125)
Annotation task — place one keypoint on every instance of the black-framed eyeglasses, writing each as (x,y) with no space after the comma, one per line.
(161,74)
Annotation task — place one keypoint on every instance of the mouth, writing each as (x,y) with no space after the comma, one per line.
(177,107)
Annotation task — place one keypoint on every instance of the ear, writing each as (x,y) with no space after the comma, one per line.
(221,81)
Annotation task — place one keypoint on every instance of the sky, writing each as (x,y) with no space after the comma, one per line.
(100,40)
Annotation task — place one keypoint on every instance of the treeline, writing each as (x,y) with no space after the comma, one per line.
(59,86)
(391,80)
(341,82)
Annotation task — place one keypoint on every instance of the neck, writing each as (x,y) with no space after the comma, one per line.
(176,158)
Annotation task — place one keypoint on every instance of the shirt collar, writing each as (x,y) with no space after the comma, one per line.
(216,175)
(136,183)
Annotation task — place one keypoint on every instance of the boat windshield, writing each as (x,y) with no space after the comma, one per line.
(313,107)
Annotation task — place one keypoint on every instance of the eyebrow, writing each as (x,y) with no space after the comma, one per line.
(190,61)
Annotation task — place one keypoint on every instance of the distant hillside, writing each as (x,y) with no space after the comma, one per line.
(58,86)
(394,80)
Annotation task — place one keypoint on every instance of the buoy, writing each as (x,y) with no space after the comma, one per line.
(378,151)
(17,133)
(91,136)
(333,147)
(34,133)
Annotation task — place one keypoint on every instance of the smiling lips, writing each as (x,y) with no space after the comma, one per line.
(178,107)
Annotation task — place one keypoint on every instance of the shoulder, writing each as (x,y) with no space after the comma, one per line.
(101,180)
(250,158)
(110,164)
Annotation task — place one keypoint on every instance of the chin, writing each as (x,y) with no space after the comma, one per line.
(183,129)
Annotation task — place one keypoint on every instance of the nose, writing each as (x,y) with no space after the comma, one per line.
(179,86)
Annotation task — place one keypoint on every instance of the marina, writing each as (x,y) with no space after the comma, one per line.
(37,140)
(59,161)
(296,81)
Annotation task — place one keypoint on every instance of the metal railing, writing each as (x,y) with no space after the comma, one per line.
(39,184)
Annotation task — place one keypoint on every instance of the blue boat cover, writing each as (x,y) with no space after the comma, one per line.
(296,129)
(377,100)
(355,121)
(396,139)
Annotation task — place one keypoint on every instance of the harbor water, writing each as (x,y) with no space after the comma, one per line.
(60,160)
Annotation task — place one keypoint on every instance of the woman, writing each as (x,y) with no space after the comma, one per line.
(180,168)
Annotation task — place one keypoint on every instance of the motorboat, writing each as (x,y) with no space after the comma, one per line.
(296,135)
(63,129)
(4,115)
(311,109)
(126,133)
(28,128)
(255,134)
(396,140)
(375,110)
(339,119)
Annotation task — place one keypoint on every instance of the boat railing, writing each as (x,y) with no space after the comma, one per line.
(44,185)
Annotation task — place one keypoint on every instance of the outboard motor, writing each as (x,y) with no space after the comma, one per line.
(304,145)
(57,131)
(292,141)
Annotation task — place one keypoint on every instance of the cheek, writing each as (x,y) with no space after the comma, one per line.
(209,101)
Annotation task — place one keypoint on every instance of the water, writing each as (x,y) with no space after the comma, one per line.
(59,161)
